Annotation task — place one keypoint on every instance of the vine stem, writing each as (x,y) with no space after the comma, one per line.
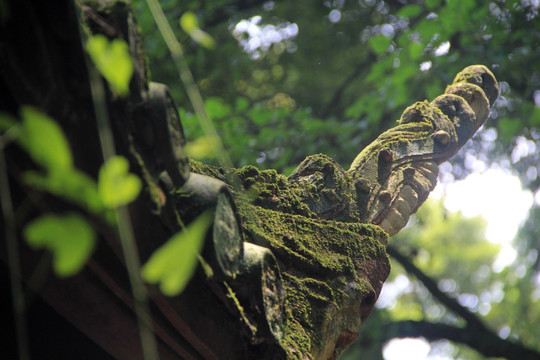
(19,308)
(125,228)
(187,79)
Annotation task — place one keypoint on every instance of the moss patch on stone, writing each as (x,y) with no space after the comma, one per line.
(322,261)
(326,188)
(264,188)
(325,263)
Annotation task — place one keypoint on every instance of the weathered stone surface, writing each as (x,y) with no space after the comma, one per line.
(317,221)
(481,76)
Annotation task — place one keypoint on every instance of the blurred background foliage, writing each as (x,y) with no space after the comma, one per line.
(287,79)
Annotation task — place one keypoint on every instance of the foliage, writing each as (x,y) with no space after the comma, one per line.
(113,61)
(116,186)
(290,79)
(517,312)
(350,72)
(190,25)
(453,250)
(447,244)
(70,238)
(44,141)
(173,264)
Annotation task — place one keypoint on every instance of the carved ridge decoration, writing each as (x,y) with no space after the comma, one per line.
(393,176)
(328,227)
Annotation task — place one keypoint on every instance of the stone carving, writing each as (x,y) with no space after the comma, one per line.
(328,227)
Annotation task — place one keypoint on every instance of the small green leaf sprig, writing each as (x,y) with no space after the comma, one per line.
(113,61)
(69,237)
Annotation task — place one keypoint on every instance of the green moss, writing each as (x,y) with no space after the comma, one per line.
(481,76)
(326,188)
(209,170)
(297,343)
(333,269)
(404,132)
(240,309)
(321,260)
(466,75)
(266,188)
(310,250)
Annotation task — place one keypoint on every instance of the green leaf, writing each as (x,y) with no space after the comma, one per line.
(261,116)
(217,108)
(6,121)
(432,4)
(433,88)
(44,140)
(406,71)
(113,60)
(535,118)
(70,238)
(378,71)
(427,28)
(409,11)
(190,25)
(116,186)
(380,43)
(508,128)
(201,148)
(189,22)
(241,103)
(404,40)
(72,185)
(415,50)
(173,264)
(203,38)
(356,109)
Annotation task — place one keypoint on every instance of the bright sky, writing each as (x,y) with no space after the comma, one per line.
(499,198)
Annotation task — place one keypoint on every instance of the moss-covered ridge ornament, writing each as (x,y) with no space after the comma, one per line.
(328,227)
(394,175)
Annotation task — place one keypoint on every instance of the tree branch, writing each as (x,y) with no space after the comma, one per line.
(475,334)
(486,343)
(336,97)
(360,69)
(431,285)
